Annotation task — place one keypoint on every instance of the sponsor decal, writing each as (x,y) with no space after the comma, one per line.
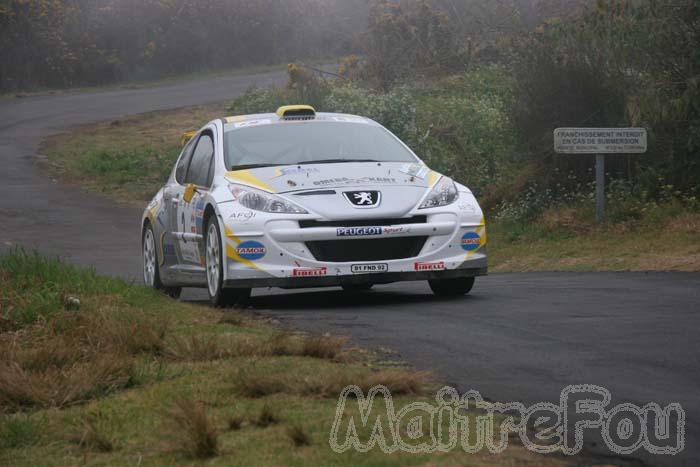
(199,217)
(371,231)
(396,230)
(243,216)
(310,272)
(250,123)
(471,241)
(359,231)
(350,119)
(252,251)
(430,266)
(465,207)
(369,268)
(282,172)
(356,181)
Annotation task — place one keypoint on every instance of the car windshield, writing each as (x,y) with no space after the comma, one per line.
(311,142)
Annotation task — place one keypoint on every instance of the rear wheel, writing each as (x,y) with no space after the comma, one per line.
(218,295)
(151,266)
(452,287)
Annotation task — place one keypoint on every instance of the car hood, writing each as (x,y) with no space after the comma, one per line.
(298,178)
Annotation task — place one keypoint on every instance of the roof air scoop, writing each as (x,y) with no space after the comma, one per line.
(296,112)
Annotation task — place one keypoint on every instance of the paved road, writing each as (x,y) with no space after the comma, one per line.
(55,219)
(517,338)
(524,337)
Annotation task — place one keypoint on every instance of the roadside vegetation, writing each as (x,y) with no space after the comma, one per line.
(480,106)
(69,43)
(127,159)
(96,371)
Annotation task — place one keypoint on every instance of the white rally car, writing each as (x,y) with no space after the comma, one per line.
(303,199)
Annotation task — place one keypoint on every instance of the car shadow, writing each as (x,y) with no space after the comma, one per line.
(337,299)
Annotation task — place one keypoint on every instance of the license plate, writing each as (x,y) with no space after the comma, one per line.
(369,268)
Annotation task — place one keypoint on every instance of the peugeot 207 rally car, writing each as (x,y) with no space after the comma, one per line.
(303,199)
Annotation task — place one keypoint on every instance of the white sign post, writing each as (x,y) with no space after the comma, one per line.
(601,142)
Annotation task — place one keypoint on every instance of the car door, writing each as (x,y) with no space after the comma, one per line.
(172,194)
(190,215)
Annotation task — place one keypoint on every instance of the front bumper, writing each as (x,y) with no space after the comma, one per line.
(302,251)
(333,281)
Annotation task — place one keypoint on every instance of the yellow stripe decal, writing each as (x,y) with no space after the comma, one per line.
(433,178)
(235,119)
(247,178)
(153,211)
(229,233)
(162,248)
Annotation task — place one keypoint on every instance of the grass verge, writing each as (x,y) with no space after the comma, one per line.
(121,375)
(663,238)
(127,159)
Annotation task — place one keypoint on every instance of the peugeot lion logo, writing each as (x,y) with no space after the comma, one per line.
(363,199)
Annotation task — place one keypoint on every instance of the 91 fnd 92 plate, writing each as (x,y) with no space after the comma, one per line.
(370,268)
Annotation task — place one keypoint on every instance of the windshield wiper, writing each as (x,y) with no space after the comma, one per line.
(252,166)
(335,161)
(322,161)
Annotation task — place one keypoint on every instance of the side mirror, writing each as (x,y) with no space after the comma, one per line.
(190,191)
(186,137)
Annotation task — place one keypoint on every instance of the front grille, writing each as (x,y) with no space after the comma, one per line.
(364,222)
(379,249)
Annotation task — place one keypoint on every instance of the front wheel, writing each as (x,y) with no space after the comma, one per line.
(151,266)
(219,296)
(452,287)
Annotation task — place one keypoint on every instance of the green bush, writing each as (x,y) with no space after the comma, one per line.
(457,125)
(18,431)
(395,109)
(463,129)
(618,64)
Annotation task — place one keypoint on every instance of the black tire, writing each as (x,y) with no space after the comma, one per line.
(355,288)
(172,292)
(452,287)
(157,283)
(219,296)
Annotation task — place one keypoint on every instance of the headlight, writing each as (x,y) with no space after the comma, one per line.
(443,194)
(265,202)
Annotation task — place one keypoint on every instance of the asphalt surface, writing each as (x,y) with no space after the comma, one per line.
(521,337)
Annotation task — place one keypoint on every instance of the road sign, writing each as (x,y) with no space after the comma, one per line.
(600,140)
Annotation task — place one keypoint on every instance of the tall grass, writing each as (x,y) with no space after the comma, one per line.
(193,431)
(57,357)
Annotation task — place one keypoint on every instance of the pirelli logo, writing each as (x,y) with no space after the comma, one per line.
(430,266)
(310,272)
